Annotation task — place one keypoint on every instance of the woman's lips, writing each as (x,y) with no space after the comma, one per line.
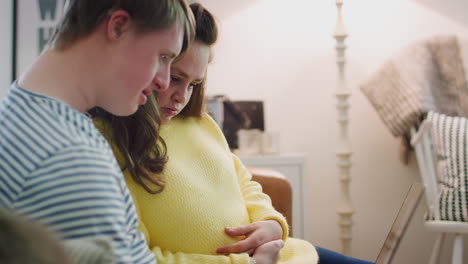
(170,111)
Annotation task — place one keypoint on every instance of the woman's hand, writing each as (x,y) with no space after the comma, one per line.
(256,234)
(268,253)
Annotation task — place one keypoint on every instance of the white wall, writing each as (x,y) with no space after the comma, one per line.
(455,9)
(5,45)
(28,40)
(283,52)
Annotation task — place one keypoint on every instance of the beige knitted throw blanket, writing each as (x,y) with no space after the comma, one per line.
(426,75)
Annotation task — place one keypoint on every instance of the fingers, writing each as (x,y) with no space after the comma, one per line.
(240,230)
(256,234)
(238,247)
(269,230)
(274,246)
(242,246)
(268,252)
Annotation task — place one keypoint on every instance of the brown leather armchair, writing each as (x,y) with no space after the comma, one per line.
(278,187)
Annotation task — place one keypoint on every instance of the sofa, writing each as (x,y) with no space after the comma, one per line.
(278,187)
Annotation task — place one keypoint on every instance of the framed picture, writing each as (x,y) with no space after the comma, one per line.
(231,116)
(34,23)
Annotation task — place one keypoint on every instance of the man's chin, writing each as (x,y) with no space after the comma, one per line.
(125,112)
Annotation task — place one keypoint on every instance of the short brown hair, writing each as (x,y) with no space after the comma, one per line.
(83,16)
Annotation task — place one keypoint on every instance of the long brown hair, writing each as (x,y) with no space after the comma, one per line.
(206,31)
(137,139)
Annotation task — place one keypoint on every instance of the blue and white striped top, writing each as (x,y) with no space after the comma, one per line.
(57,168)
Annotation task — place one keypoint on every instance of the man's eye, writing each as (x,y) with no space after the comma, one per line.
(175,78)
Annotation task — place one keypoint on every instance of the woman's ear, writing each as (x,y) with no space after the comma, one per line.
(118,24)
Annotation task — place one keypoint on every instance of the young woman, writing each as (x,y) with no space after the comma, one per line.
(55,166)
(207,209)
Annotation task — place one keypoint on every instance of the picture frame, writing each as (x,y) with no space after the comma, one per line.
(34,23)
(232,116)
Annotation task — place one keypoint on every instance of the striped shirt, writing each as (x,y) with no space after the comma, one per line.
(57,168)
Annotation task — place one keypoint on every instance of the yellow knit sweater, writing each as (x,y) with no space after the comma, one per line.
(207,189)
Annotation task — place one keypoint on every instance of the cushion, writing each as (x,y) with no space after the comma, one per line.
(450,136)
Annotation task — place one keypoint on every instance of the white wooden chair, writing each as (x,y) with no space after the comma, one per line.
(422,142)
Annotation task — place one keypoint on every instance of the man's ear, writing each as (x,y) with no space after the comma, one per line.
(118,24)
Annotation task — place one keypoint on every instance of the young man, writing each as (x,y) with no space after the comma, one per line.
(55,167)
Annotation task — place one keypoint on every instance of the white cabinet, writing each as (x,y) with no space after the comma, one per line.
(293,166)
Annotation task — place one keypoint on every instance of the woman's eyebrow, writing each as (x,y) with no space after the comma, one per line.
(180,72)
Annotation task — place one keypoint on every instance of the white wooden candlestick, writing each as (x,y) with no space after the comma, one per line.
(345,209)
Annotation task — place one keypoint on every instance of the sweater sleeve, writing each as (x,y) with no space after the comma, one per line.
(258,203)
